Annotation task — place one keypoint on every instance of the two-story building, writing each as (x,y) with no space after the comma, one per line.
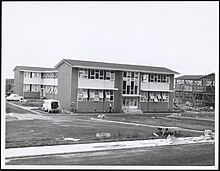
(93,85)
(36,82)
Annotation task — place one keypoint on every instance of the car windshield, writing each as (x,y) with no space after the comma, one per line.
(54,105)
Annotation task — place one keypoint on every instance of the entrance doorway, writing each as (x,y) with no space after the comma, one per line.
(130,103)
(42,92)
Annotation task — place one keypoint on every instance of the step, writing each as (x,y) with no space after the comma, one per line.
(132,111)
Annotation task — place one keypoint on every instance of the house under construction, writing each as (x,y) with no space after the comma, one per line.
(199,90)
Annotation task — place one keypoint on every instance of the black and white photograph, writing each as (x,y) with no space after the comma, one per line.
(110,85)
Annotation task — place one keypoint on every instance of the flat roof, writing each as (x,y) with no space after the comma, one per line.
(114,66)
(195,77)
(190,77)
(29,68)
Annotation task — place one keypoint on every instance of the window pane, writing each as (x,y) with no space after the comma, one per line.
(136,88)
(92,74)
(132,85)
(111,95)
(100,94)
(124,84)
(128,89)
(124,74)
(96,74)
(112,76)
(101,76)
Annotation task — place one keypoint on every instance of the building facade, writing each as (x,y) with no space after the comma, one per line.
(93,85)
(36,82)
(196,89)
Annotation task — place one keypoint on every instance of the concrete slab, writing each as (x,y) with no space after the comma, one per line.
(64,149)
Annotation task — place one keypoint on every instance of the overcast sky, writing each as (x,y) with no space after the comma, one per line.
(180,36)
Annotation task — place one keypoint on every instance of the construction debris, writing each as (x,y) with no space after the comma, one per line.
(103,135)
(208,134)
(101,116)
(171,139)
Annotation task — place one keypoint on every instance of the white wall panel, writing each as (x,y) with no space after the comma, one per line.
(99,84)
(154,86)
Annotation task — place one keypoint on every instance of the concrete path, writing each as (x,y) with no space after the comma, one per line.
(65,149)
(184,117)
(153,126)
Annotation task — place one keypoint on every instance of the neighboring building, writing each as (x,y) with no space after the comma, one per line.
(9,86)
(93,85)
(196,89)
(35,82)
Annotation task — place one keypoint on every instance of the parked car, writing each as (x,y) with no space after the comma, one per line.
(15,97)
(51,105)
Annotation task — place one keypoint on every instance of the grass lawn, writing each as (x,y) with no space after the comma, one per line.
(53,130)
(50,131)
(47,129)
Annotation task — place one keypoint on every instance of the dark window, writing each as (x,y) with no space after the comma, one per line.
(124,84)
(132,74)
(88,94)
(54,105)
(132,85)
(97,75)
(136,90)
(101,75)
(111,96)
(104,74)
(124,74)
(88,73)
(92,74)
(103,95)
(128,89)
(30,74)
(30,87)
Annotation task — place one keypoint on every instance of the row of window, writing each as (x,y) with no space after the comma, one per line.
(37,88)
(129,74)
(96,74)
(95,95)
(110,75)
(52,75)
(151,77)
(194,83)
(154,97)
(130,82)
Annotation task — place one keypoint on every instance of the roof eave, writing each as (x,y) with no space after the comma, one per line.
(119,69)
(15,68)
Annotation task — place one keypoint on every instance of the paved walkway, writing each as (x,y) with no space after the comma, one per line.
(66,149)
(184,117)
(153,126)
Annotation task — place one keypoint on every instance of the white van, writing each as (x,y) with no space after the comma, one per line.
(51,105)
